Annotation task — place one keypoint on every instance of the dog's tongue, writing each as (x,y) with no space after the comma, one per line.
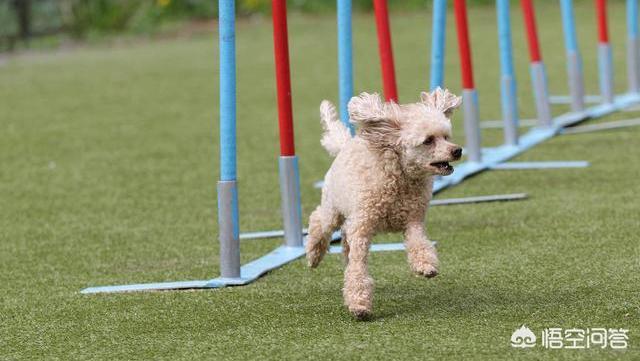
(443,166)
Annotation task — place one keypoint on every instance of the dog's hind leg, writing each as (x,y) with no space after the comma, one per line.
(345,246)
(322,223)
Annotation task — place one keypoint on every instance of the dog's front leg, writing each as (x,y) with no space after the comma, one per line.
(358,285)
(422,256)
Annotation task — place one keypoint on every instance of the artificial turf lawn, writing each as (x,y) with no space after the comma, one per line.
(108,164)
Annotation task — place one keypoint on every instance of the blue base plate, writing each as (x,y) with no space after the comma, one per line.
(540,165)
(566,99)
(248,273)
(616,124)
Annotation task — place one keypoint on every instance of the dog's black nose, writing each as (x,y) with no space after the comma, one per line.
(457,153)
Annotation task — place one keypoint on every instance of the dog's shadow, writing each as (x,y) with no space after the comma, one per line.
(456,300)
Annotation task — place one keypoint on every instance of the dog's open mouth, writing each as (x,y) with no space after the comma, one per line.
(443,167)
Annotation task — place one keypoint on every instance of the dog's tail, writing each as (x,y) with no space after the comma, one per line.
(336,135)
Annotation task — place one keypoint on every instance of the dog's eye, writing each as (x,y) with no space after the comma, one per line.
(446,137)
(428,141)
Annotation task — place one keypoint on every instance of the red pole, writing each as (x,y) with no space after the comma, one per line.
(601,10)
(532,34)
(386,50)
(464,49)
(283,79)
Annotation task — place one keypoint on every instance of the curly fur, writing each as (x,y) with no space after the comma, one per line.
(336,135)
(381,181)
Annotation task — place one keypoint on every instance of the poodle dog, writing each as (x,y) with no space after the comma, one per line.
(381,181)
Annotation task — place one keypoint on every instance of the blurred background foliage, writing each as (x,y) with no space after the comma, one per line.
(23,21)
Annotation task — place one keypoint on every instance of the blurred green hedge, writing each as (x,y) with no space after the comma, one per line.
(82,17)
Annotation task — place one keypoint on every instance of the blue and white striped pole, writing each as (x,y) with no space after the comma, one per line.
(345,60)
(508,81)
(227,185)
(633,47)
(574,60)
(438,32)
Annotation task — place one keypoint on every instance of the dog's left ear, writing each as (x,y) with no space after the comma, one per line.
(441,100)
(377,120)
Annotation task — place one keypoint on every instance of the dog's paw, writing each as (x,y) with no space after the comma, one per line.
(423,260)
(358,296)
(360,313)
(425,269)
(424,263)
(315,252)
(313,262)
(314,257)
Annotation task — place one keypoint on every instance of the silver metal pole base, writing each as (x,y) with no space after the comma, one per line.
(290,194)
(633,72)
(509,110)
(576,84)
(228,229)
(471,125)
(539,80)
(606,72)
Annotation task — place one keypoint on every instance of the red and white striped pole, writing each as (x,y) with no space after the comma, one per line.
(469,94)
(538,73)
(605,65)
(288,162)
(386,50)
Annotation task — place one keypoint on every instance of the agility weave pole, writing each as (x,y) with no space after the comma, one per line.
(228,217)
(232,274)
(386,50)
(469,94)
(438,36)
(288,162)
(605,62)
(633,47)
(574,59)
(345,61)
(508,89)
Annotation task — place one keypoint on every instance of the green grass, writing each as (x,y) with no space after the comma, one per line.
(108,165)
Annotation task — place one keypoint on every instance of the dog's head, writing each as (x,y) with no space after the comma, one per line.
(418,132)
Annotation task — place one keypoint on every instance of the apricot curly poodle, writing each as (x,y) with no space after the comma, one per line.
(381,181)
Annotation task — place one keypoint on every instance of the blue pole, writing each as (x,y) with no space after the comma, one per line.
(504,30)
(437,43)
(633,47)
(345,60)
(568,25)
(574,60)
(228,225)
(227,90)
(632,18)
(508,89)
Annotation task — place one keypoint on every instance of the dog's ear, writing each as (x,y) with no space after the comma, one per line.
(378,122)
(441,100)
(366,108)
